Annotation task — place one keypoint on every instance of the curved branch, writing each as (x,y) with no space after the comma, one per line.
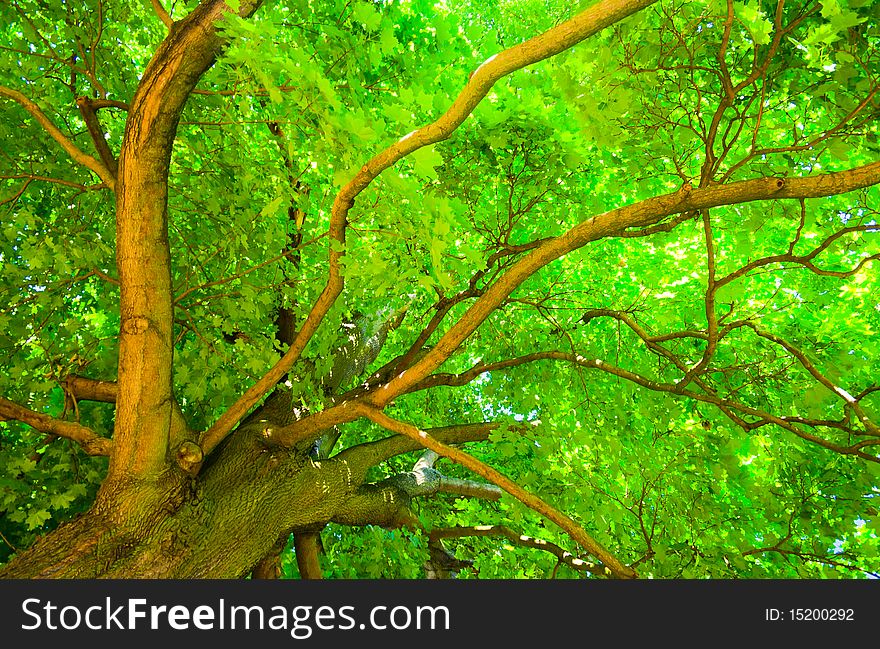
(725,405)
(643,213)
(88,439)
(805,260)
(575,531)
(850,400)
(72,150)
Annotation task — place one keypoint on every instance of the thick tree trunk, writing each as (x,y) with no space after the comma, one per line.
(222,523)
(218,525)
(160,512)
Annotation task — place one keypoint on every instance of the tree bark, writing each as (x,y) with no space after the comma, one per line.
(222,523)
(308,551)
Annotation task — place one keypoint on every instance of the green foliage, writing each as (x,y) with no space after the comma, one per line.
(659,478)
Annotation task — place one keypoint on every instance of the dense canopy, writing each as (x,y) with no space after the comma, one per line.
(398,288)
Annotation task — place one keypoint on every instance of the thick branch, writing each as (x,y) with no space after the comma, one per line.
(85,437)
(640,214)
(72,150)
(82,388)
(425,480)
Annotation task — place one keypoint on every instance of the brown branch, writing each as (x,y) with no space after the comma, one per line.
(642,213)
(14,198)
(88,439)
(307,546)
(72,150)
(82,388)
(712,161)
(805,260)
(536,49)
(725,405)
(163,15)
(98,104)
(811,557)
(709,304)
(86,389)
(230,278)
(564,556)
(358,459)
(792,148)
(90,117)
(613,566)
(850,400)
(57,181)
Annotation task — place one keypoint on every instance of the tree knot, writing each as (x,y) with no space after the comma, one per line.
(189,457)
(135,326)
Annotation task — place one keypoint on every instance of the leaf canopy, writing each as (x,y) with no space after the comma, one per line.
(713,408)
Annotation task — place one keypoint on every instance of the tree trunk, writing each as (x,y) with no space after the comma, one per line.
(247,497)
(218,525)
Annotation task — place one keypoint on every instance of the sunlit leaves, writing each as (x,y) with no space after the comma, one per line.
(306,93)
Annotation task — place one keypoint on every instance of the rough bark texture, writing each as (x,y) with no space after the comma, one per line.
(222,522)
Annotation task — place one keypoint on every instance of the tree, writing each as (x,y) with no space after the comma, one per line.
(310,277)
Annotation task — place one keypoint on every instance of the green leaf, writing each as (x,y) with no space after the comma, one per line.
(425,161)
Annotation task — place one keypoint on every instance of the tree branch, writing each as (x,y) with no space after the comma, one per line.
(88,439)
(363,456)
(551,42)
(850,400)
(82,388)
(163,15)
(72,150)
(723,404)
(564,556)
(611,223)
(613,565)
(307,546)
(90,117)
